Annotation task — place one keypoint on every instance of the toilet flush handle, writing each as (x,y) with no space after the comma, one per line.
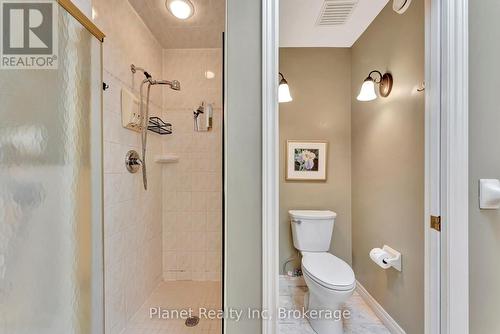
(296,221)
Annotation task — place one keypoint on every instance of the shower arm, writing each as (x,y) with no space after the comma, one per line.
(134,69)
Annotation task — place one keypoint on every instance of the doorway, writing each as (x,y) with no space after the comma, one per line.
(438,263)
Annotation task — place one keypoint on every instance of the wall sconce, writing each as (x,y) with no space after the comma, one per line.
(367,92)
(284,90)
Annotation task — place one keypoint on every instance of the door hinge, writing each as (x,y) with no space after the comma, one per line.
(436,223)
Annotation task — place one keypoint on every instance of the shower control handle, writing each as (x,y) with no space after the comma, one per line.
(133,162)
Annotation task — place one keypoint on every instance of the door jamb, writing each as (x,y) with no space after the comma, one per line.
(432,279)
(270,165)
(455,167)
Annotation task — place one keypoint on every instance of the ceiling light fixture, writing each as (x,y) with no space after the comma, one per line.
(284,90)
(367,92)
(181,9)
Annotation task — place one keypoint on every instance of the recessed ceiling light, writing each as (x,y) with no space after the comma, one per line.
(181,9)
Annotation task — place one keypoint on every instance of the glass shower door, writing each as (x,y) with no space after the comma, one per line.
(51,268)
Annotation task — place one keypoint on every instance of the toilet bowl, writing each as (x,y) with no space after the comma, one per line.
(331,283)
(330,280)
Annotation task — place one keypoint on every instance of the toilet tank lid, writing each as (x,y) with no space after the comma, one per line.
(312,214)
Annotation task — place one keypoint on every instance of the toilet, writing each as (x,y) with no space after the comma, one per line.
(329,279)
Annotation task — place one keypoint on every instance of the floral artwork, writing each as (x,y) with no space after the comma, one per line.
(306,161)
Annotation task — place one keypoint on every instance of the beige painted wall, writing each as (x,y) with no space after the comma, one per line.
(320,82)
(484,155)
(388,164)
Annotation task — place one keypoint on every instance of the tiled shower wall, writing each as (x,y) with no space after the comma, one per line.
(192,188)
(132,216)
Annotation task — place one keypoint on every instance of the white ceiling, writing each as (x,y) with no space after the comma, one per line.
(298,23)
(202,30)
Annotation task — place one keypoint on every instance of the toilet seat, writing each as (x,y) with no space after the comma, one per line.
(328,271)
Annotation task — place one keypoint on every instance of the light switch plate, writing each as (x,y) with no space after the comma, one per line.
(489,194)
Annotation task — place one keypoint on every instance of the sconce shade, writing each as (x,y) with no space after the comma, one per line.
(284,91)
(385,83)
(367,92)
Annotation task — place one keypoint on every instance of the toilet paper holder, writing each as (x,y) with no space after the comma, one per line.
(389,258)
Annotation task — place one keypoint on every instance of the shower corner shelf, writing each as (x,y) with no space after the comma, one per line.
(166,158)
(157,125)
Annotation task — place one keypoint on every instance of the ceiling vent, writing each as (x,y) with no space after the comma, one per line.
(336,12)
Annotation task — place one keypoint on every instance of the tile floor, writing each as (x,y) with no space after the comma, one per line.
(185,294)
(175,295)
(362,321)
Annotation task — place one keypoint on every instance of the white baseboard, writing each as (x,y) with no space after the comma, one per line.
(382,314)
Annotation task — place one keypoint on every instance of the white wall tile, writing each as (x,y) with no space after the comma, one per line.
(194,184)
(133,217)
(214,221)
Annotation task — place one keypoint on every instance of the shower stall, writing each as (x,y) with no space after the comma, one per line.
(163,242)
(86,246)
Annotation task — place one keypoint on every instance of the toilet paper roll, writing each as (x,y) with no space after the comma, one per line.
(378,256)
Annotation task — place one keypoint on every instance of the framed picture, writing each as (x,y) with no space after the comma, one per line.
(306,160)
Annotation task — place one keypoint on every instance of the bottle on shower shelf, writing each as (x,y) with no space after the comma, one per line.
(203,124)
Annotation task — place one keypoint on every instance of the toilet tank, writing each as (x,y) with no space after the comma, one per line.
(312,230)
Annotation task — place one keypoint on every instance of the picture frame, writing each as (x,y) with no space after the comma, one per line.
(306,160)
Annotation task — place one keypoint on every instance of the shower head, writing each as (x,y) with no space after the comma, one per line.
(174,84)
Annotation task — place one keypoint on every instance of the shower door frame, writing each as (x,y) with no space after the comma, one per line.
(74,11)
(446,166)
(98,305)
